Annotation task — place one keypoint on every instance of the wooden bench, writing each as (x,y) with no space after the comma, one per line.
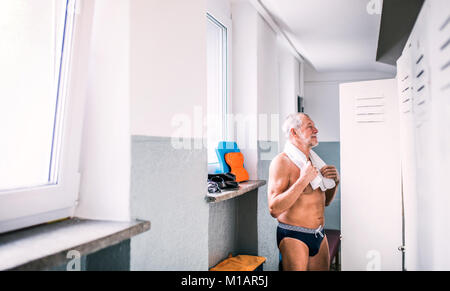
(240,263)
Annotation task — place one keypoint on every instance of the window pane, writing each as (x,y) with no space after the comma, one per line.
(217,85)
(31,34)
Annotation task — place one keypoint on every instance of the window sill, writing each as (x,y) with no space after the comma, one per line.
(45,246)
(244,188)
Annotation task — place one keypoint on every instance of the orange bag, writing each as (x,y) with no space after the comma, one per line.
(236,163)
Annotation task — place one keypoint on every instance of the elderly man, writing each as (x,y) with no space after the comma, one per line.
(300,186)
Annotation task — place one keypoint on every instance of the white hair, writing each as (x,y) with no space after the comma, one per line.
(293,120)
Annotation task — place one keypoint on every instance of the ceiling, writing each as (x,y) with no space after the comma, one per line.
(333,35)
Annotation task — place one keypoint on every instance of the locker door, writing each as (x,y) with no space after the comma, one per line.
(423,114)
(438,138)
(426,60)
(371,206)
(408,157)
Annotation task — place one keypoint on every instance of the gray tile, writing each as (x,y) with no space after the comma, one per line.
(330,153)
(168,188)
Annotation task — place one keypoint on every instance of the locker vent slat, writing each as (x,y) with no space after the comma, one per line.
(370,109)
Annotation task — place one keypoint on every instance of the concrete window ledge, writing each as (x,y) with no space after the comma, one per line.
(45,246)
(244,188)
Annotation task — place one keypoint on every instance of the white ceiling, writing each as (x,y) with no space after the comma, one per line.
(333,35)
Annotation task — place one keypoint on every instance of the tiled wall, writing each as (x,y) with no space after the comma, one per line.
(168,188)
(222,230)
(233,227)
(113,258)
(267,225)
(330,154)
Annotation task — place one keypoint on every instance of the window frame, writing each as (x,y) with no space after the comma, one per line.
(226,22)
(25,207)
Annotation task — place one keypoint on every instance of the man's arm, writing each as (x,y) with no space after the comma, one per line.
(330,172)
(280,197)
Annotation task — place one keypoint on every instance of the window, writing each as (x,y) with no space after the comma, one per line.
(37,176)
(218,61)
(30,64)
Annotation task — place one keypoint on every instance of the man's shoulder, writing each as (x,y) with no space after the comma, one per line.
(281,161)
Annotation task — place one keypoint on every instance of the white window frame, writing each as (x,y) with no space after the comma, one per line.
(227,23)
(31,206)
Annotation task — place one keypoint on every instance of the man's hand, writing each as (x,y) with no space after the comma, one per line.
(308,173)
(330,172)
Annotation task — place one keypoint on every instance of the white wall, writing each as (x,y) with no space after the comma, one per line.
(168,66)
(322,97)
(290,84)
(105,154)
(268,82)
(245,81)
(219,7)
(322,105)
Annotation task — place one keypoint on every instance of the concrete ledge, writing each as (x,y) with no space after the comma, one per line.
(244,188)
(45,246)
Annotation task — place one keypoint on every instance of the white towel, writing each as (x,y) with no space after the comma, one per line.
(300,160)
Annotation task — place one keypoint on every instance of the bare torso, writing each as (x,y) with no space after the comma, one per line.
(308,210)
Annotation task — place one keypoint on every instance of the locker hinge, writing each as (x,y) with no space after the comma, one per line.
(401,248)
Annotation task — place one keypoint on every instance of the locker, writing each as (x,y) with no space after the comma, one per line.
(438,29)
(371,202)
(408,157)
(423,99)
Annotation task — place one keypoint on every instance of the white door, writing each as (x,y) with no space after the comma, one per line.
(425,137)
(405,79)
(434,139)
(371,201)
